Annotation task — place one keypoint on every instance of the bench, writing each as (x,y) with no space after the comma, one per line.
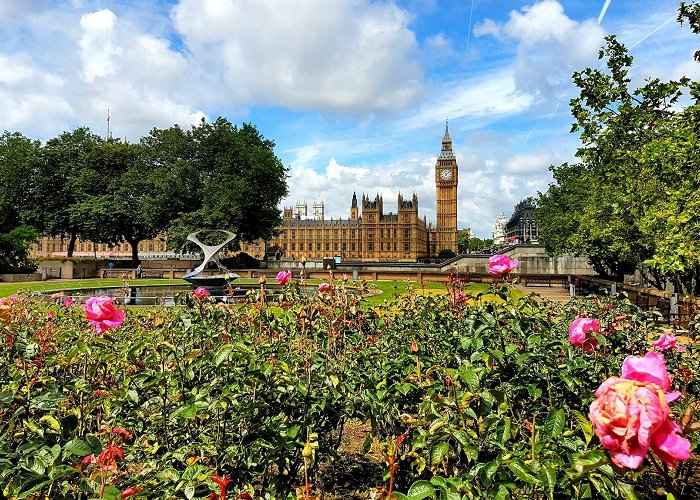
(545,280)
(152,274)
(114,272)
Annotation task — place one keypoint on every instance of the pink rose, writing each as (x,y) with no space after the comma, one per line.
(67,302)
(283,277)
(201,293)
(324,288)
(14,299)
(461,297)
(631,414)
(579,333)
(102,314)
(501,264)
(667,341)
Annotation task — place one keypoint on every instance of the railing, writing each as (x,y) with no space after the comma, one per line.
(674,308)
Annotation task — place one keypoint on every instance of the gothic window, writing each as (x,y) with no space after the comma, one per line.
(406,233)
(406,246)
(328,246)
(318,247)
(352,246)
(370,246)
(335,247)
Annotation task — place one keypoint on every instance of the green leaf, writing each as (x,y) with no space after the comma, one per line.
(583,464)
(554,425)
(395,495)
(522,472)
(420,490)
(52,422)
(548,477)
(222,354)
(585,425)
(33,485)
(438,452)
(502,493)
(112,493)
(78,447)
(471,378)
(490,470)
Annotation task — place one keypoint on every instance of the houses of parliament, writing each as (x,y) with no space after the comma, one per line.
(368,234)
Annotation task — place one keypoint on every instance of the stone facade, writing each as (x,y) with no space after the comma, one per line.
(370,234)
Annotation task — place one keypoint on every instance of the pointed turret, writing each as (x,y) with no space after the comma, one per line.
(446,150)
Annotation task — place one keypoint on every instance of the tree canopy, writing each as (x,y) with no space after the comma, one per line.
(632,200)
(172,182)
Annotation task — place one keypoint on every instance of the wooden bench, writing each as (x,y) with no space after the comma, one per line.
(114,272)
(152,274)
(544,280)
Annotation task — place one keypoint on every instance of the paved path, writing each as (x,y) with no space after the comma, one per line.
(553,293)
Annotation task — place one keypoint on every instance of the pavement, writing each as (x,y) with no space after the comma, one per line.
(552,293)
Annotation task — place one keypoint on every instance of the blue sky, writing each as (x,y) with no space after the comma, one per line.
(355,93)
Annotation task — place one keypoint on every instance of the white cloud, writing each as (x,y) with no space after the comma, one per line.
(487,27)
(529,163)
(349,55)
(97,44)
(551,46)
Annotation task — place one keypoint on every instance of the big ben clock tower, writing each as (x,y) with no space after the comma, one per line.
(446,173)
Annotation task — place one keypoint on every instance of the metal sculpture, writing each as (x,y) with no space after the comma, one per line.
(211,254)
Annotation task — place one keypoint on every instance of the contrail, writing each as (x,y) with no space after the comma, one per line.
(469,31)
(673,17)
(604,10)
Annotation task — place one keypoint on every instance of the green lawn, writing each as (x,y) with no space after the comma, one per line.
(389,289)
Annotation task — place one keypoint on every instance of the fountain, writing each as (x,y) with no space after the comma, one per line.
(197,277)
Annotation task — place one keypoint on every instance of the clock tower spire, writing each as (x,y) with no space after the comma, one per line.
(446,173)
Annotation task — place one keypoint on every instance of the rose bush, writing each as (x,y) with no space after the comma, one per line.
(491,401)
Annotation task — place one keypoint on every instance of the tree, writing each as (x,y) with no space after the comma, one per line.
(19,159)
(14,250)
(446,253)
(607,206)
(239,183)
(64,177)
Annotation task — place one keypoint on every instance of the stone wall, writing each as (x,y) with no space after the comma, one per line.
(17,278)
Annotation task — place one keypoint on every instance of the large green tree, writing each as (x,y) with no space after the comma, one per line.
(19,160)
(238,186)
(64,177)
(632,198)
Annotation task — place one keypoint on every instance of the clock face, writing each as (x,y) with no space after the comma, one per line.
(446,174)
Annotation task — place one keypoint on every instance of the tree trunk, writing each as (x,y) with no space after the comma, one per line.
(71,244)
(134,251)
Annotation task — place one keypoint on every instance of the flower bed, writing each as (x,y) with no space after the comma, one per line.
(476,398)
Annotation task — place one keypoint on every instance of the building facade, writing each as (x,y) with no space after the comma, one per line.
(370,234)
(522,226)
